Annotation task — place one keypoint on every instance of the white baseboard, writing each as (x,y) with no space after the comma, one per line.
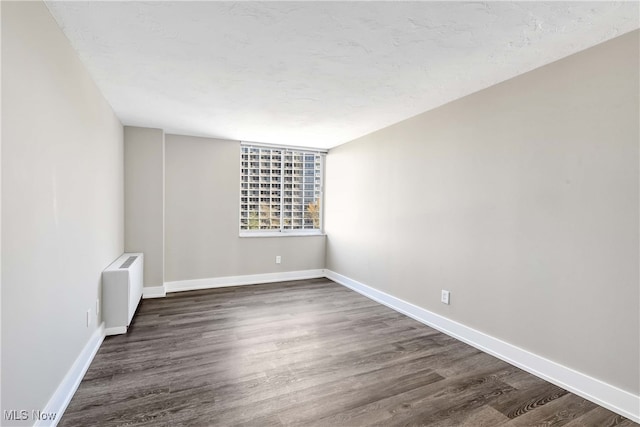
(252,279)
(154,292)
(67,388)
(599,392)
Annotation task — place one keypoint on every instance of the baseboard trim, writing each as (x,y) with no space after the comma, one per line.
(154,292)
(597,391)
(252,279)
(67,388)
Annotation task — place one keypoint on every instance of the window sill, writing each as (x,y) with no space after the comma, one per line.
(281,234)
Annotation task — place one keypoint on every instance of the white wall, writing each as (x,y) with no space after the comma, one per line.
(202,219)
(144,199)
(521,199)
(62,204)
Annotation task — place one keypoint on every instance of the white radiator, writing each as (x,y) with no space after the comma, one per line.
(122,285)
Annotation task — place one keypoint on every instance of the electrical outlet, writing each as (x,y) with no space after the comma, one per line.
(278,259)
(444,298)
(88,317)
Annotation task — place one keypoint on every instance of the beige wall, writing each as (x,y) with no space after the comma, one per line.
(521,199)
(202,218)
(144,199)
(62,204)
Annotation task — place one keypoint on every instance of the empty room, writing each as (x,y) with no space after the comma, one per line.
(325,213)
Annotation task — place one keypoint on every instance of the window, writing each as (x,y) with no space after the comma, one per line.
(280,189)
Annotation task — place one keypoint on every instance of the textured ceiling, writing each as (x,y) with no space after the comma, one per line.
(316,73)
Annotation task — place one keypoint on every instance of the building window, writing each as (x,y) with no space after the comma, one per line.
(280,190)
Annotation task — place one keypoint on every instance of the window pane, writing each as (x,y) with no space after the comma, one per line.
(289,183)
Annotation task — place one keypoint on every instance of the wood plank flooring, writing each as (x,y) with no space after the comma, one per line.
(306,353)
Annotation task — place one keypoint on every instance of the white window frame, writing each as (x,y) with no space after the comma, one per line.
(282,229)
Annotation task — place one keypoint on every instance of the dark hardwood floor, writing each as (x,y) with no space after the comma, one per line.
(306,353)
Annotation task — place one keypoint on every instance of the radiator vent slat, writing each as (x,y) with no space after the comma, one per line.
(128,262)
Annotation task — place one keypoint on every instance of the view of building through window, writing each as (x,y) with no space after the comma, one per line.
(280,189)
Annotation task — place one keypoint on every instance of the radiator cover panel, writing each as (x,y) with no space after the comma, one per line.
(122,284)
